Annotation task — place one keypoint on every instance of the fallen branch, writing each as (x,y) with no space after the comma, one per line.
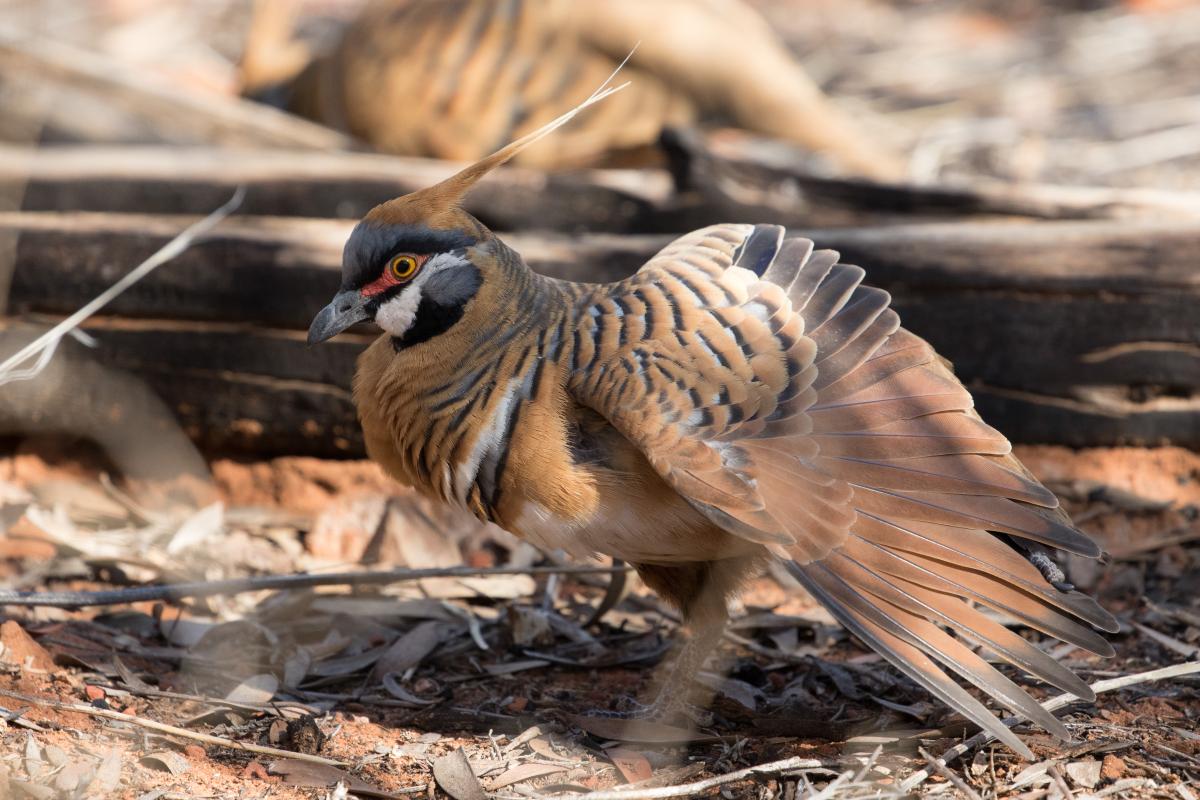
(1099,687)
(180,591)
(169,730)
(691,789)
(257,708)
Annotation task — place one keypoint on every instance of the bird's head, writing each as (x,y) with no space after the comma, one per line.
(414,263)
(410,270)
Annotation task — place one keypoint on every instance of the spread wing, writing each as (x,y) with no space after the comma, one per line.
(782,399)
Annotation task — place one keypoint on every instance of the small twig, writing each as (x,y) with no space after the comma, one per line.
(170,730)
(17,718)
(950,775)
(833,787)
(690,789)
(180,591)
(1060,782)
(199,698)
(44,345)
(473,626)
(1182,648)
(1053,704)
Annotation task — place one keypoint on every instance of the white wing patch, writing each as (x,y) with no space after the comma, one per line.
(493,435)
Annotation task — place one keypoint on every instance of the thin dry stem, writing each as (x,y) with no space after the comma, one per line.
(170,730)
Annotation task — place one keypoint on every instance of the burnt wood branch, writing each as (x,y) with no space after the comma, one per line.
(1081,333)
(701,188)
(192,180)
(770,178)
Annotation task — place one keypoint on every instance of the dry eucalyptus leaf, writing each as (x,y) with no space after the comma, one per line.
(128,676)
(165,761)
(56,755)
(198,529)
(239,648)
(454,774)
(421,534)
(34,791)
(296,667)
(393,687)
(35,764)
(524,772)
(544,748)
(497,587)
(255,690)
(409,650)
(639,730)
(212,716)
(1032,775)
(739,692)
(509,667)
(347,665)
(1084,774)
(75,776)
(417,749)
(184,632)
(306,773)
(334,642)
(633,765)
(323,776)
(376,607)
(108,774)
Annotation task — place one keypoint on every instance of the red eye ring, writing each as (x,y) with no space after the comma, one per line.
(403,266)
(400,269)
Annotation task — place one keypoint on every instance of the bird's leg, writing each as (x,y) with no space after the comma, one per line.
(671,701)
(700,591)
(672,695)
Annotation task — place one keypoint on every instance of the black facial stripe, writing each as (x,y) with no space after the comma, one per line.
(371,244)
(444,296)
(432,319)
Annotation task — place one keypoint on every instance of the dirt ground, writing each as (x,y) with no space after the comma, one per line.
(391,682)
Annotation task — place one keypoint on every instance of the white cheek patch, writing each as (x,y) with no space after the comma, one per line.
(396,316)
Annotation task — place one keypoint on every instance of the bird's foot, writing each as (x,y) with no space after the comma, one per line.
(660,711)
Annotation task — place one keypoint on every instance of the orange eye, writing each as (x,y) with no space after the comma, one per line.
(403,267)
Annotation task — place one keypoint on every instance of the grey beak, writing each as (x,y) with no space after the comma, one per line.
(346,309)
